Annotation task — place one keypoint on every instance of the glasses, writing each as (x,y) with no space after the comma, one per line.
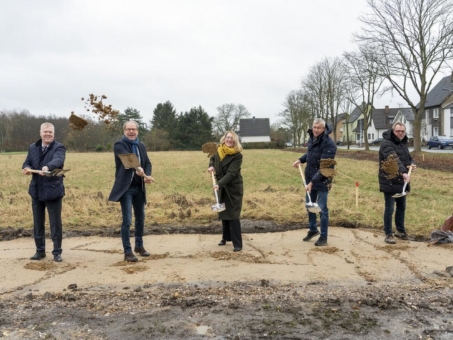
(130,129)
(399,131)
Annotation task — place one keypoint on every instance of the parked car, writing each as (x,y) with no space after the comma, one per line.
(440,142)
(377,141)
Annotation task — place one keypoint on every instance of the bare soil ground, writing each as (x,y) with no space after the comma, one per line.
(278,287)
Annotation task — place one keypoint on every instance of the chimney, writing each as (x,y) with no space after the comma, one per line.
(386,110)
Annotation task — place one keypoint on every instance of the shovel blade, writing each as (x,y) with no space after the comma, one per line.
(313,207)
(218,207)
(399,195)
(314,210)
(58,172)
(129,160)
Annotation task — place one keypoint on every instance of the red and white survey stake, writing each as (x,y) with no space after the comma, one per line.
(357,195)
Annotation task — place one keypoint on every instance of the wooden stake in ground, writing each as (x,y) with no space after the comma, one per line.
(357,195)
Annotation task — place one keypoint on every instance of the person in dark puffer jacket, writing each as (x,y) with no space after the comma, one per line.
(395,144)
(46,191)
(320,146)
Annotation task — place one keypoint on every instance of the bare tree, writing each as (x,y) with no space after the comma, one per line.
(365,81)
(314,86)
(228,117)
(324,86)
(414,40)
(296,116)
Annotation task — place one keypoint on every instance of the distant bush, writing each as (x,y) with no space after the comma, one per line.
(264,145)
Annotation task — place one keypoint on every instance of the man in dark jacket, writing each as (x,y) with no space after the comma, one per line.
(320,147)
(46,191)
(129,189)
(394,160)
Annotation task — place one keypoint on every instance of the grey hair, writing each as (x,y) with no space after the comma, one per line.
(398,123)
(319,121)
(47,124)
(131,121)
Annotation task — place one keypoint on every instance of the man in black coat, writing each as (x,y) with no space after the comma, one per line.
(320,147)
(129,189)
(394,149)
(46,191)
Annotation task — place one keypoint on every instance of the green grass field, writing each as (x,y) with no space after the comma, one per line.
(182,193)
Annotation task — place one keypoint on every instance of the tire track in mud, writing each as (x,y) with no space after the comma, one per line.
(106,251)
(51,269)
(395,252)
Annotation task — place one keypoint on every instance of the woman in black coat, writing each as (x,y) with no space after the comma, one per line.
(226,164)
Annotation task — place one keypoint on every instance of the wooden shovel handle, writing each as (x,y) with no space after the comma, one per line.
(213,179)
(410,170)
(144,175)
(302,175)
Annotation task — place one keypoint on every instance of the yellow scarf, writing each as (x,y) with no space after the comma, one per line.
(224,150)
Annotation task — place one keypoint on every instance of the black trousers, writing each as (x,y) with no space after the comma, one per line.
(56,225)
(232,232)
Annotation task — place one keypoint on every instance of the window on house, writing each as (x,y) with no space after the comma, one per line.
(436,113)
(435,131)
(451,112)
(426,114)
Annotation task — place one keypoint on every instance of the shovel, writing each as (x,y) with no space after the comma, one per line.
(130,161)
(53,173)
(311,207)
(216,207)
(404,186)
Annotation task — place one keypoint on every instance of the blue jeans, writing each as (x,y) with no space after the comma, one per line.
(319,197)
(134,198)
(399,214)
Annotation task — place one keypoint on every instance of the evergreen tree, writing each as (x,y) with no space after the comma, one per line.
(164,117)
(131,114)
(194,128)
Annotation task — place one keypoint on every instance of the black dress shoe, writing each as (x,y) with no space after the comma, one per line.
(130,258)
(38,256)
(222,243)
(57,258)
(141,251)
(237,249)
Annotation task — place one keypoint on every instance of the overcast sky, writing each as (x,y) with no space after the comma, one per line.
(143,52)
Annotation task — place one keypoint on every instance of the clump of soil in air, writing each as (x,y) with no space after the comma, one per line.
(209,148)
(95,105)
(76,122)
(390,166)
(327,167)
